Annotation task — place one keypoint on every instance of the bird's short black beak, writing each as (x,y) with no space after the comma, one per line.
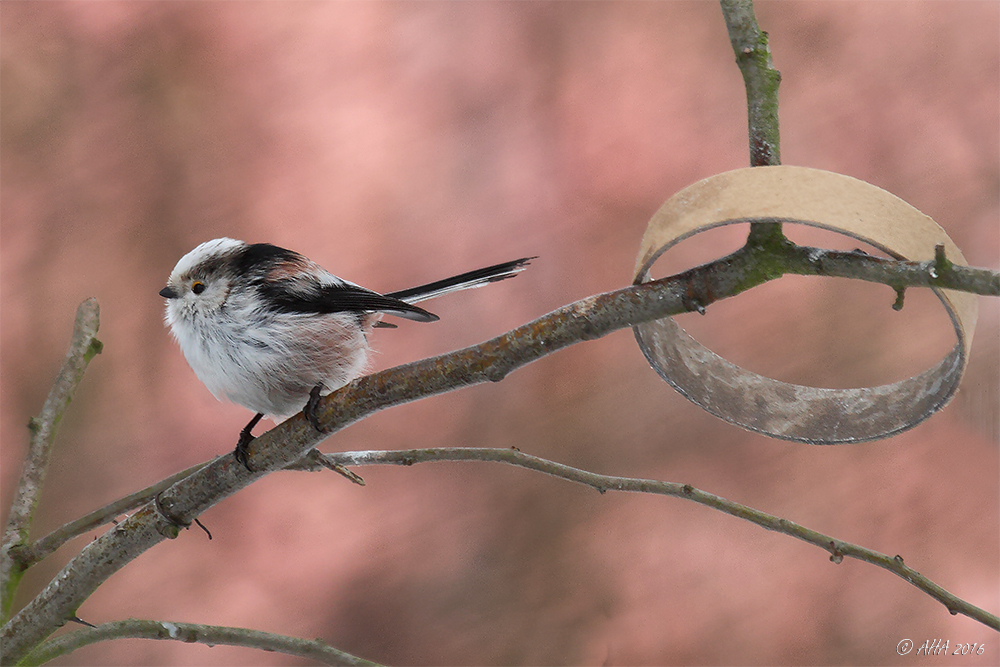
(168,293)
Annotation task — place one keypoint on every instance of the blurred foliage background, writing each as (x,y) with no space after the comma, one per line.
(397,143)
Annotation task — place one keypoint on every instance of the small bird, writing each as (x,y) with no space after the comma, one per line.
(269,329)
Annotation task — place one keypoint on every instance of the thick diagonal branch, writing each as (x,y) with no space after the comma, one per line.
(586,319)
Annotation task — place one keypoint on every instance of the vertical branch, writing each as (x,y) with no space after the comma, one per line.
(83,346)
(753,55)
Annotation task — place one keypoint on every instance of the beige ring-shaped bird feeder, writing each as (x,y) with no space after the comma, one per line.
(789,411)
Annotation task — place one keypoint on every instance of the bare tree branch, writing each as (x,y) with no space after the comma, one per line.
(938,272)
(28,555)
(211,635)
(838,548)
(83,346)
(753,55)
(761,80)
(586,319)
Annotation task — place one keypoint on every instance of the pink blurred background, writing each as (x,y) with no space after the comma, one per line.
(397,143)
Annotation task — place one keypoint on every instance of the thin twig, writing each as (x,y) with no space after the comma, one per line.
(803,260)
(30,554)
(83,346)
(838,548)
(211,635)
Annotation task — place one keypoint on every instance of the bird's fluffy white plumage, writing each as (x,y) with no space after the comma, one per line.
(253,355)
(262,326)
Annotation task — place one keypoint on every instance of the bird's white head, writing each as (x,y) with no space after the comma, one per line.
(200,282)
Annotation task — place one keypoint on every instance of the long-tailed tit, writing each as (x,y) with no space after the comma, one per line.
(271,330)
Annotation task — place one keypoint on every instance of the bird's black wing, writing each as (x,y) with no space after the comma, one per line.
(340,298)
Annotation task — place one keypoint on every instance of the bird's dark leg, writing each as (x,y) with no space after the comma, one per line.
(246,437)
(310,409)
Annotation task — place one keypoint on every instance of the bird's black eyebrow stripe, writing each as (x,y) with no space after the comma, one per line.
(207,267)
(259,257)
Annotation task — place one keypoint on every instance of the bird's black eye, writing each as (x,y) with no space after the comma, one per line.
(197,287)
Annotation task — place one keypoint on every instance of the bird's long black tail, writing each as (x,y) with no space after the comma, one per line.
(468,280)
